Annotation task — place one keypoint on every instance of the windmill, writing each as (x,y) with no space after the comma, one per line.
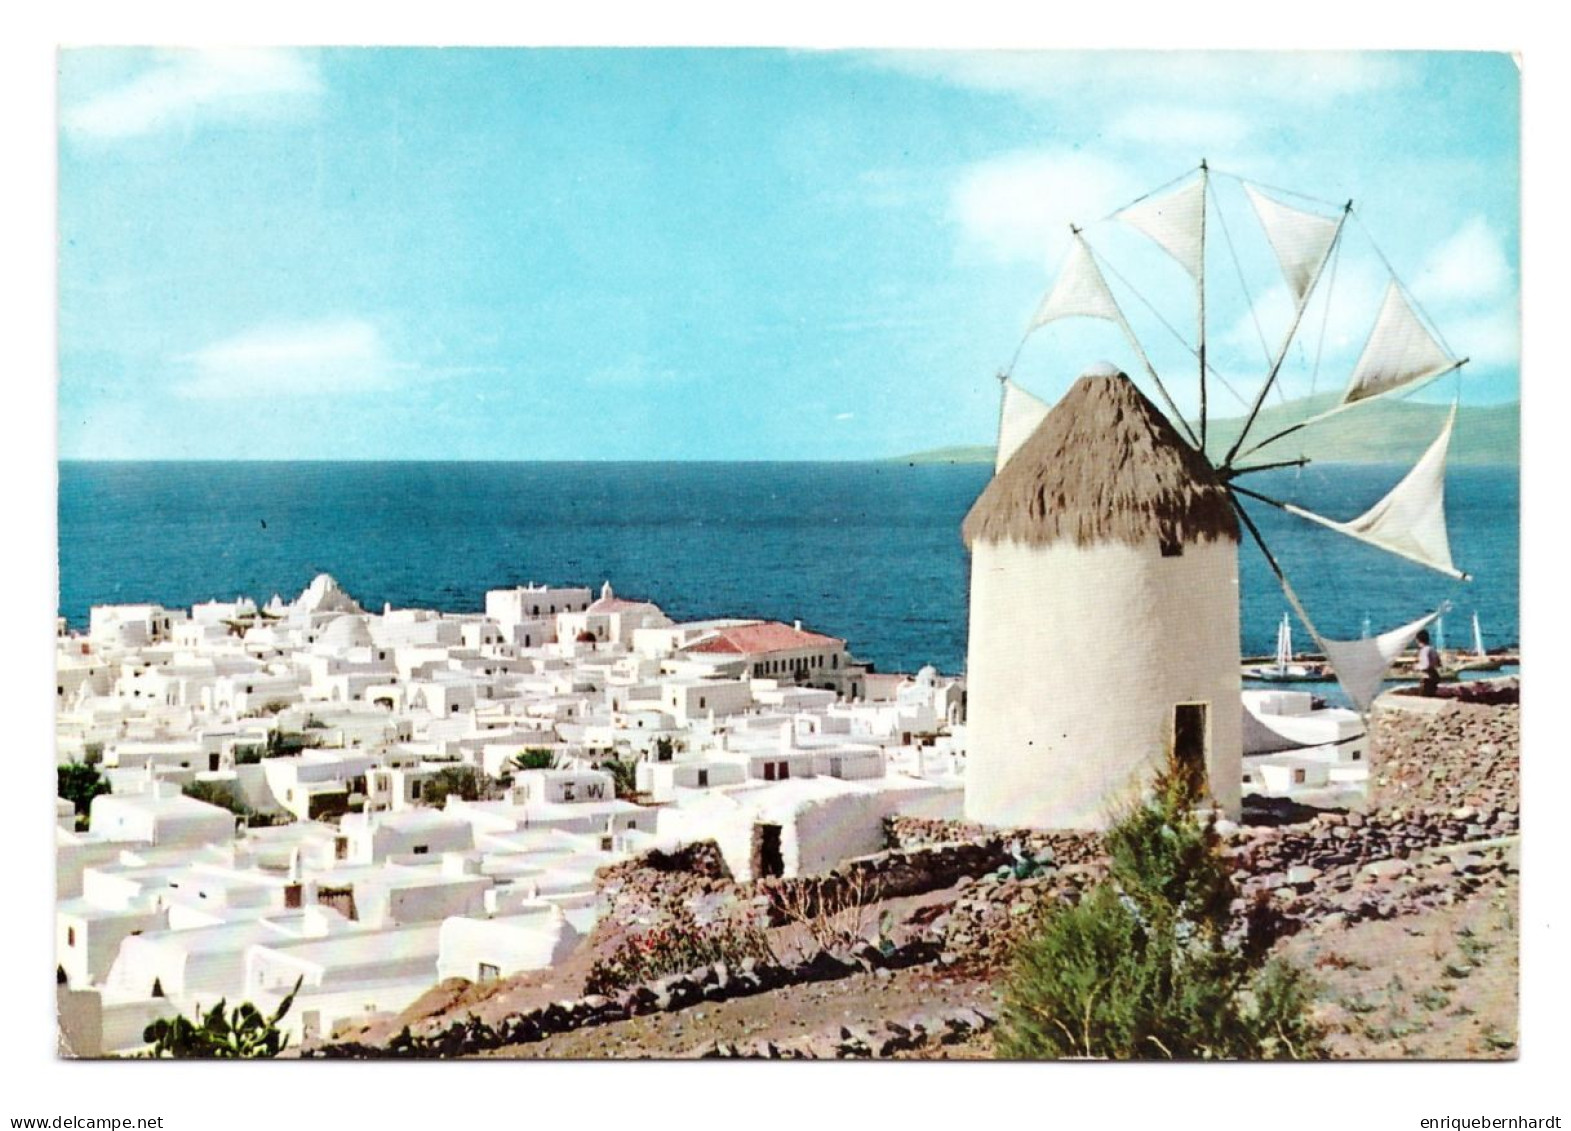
(1102,520)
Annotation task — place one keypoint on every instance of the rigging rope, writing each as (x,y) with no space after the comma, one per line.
(1171,329)
(1429,323)
(1159,188)
(1277,189)
(1325,319)
(1238,267)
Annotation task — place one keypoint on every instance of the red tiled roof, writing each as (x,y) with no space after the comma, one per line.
(754,639)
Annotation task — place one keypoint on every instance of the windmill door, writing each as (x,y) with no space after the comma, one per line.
(1191,724)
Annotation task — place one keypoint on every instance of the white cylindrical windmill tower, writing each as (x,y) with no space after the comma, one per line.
(1104,617)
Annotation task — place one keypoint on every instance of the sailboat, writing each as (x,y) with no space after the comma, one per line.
(1403,351)
(1283,669)
(1480,660)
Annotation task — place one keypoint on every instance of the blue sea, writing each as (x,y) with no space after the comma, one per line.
(867,551)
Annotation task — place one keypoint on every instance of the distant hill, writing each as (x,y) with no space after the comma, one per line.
(1383,432)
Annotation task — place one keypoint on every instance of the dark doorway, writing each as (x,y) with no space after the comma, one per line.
(767,860)
(1189,745)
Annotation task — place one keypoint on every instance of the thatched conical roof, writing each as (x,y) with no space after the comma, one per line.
(1103,466)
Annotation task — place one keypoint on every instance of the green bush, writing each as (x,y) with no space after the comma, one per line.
(242,1033)
(624,776)
(1143,968)
(533,759)
(79,783)
(225,798)
(464,782)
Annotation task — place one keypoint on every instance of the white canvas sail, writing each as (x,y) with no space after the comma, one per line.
(1175,221)
(1301,240)
(1017,419)
(1411,520)
(1080,291)
(1360,665)
(1400,352)
(1478,640)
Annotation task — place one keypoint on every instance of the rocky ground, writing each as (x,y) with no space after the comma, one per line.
(1404,909)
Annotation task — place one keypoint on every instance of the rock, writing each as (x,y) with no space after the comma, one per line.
(1385,869)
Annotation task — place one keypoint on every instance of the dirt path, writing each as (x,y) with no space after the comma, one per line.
(1437,985)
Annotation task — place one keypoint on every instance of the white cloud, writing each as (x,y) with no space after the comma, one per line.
(185,86)
(300,360)
(1354,302)
(1469,266)
(1222,77)
(1183,126)
(1018,207)
(1491,339)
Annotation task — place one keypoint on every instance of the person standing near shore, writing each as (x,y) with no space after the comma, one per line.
(1428,666)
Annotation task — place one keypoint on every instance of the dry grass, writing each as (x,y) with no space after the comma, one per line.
(1104,466)
(832,917)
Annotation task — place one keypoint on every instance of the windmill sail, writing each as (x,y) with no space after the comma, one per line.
(1175,221)
(1400,353)
(1301,240)
(1017,419)
(1080,291)
(1411,520)
(1360,665)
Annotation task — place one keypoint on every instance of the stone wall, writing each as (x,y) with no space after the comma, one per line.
(714,983)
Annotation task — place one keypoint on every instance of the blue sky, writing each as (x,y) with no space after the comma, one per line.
(721,254)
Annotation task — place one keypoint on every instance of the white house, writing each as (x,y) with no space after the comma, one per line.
(161,816)
(482,950)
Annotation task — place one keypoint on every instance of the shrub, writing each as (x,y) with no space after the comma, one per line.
(225,798)
(677,945)
(1143,966)
(624,776)
(285,744)
(464,782)
(533,759)
(79,783)
(242,1033)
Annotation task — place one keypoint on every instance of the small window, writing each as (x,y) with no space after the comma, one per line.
(702,703)
(421,849)
(70,936)
(1172,547)
(489,972)
(1358,756)
(703,778)
(1299,777)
